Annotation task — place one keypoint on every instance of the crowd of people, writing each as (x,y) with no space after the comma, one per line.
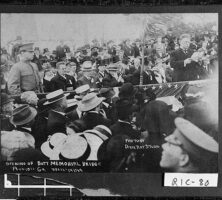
(64,105)
(166,59)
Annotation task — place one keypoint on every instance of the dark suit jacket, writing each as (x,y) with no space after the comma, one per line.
(110,81)
(47,85)
(39,130)
(56,123)
(92,119)
(72,114)
(93,84)
(61,51)
(121,128)
(147,79)
(181,73)
(38,61)
(58,82)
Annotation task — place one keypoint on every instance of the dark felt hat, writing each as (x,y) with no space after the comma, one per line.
(106,93)
(23,115)
(127,90)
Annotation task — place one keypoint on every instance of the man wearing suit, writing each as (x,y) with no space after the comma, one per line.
(57,104)
(148,75)
(123,126)
(185,69)
(88,77)
(38,58)
(93,114)
(61,51)
(62,80)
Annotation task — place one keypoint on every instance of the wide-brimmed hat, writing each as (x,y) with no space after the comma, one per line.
(52,147)
(72,102)
(23,115)
(82,88)
(106,93)
(5,99)
(55,96)
(94,142)
(75,147)
(87,66)
(89,102)
(112,67)
(127,90)
(102,131)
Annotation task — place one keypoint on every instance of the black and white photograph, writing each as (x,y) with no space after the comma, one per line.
(111,93)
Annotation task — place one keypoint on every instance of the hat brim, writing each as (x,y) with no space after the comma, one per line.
(85,108)
(47,102)
(52,154)
(31,117)
(87,70)
(108,94)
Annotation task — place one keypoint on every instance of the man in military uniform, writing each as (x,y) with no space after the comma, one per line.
(189,149)
(24,75)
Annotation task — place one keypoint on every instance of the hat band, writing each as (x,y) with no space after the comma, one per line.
(55,98)
(51,146)
(19,118)
(81,158)
(98,134)
(104,132)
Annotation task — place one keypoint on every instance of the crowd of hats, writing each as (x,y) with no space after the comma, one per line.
(80,144)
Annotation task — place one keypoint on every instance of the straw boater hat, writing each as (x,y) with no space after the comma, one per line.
(94,142)
(75,148)
(55,96)
(89,102)
(52,147)
(101,131)
(87,66)
(62,147)
(81,89)
(23,115)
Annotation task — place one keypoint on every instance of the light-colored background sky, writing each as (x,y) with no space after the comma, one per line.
(81,28)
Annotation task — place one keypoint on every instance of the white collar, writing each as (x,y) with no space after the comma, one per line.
(105,104)
(79,113)
(119,120)
(62,113)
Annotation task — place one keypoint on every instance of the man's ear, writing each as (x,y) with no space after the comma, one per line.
(184,159)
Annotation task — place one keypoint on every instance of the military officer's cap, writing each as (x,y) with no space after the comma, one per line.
(193,140)
(26,47)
